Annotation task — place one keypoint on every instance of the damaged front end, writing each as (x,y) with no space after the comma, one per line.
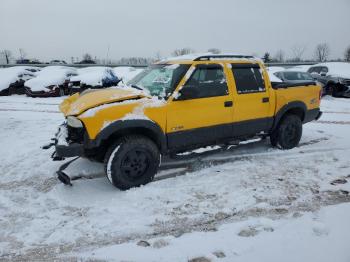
(68,142)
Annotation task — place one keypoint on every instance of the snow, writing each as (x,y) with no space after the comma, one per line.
(274,69)
(304,238)
(92,76)
(337,69)
(126,73)
(252,202)
(92,111)
(273,78)
(62,136)
(11,75)
(49,76)
(302,68)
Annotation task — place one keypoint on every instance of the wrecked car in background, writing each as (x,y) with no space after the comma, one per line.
(52,81)
(93,77)
(12,79)
(334,77)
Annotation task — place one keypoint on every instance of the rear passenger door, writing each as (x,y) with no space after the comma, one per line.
(252,106)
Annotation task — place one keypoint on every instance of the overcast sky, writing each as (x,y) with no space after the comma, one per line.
(48,29)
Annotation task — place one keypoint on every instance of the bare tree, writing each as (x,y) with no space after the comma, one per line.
(298,52)
(322,52)
(182,51)
(158,56)
(136,61)
(347,54)
(87,57)
(214,51)
(22,54)
(279,56)
(7,55)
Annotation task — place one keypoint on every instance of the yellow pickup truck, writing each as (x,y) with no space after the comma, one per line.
(178,105)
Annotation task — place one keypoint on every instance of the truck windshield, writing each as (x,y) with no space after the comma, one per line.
(160,80)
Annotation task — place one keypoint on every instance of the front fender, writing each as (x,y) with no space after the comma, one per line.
(133,126)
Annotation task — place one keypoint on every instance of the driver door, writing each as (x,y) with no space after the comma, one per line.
(203,112)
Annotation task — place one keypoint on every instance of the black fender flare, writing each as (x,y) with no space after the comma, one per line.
(299,105)
(139,126)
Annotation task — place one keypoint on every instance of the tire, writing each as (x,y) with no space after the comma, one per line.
(131,162)
(61,91)
(288,133)
(273,139)
(12,90)
(332,91)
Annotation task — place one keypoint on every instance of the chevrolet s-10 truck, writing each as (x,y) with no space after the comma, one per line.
(178,105)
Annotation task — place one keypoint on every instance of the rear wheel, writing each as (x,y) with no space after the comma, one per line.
(12,90)
(333,90)
(131,162)
(288,133)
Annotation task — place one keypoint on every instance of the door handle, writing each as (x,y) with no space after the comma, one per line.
(265,99)
(228,104)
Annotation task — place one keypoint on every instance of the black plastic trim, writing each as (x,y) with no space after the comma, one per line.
(277,85)
(122,127)
(70,150)
(312,114)
(194,138)
(296,105)
(245,66)
(208,57)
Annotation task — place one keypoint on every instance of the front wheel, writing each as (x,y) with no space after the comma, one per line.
(131,162)
(61,91)
(288,133)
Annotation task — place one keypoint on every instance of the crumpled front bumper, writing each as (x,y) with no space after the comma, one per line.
(63,147)
(347,92)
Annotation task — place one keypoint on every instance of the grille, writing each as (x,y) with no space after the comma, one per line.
(75,135)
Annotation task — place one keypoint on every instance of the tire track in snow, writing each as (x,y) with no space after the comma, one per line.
(29,110)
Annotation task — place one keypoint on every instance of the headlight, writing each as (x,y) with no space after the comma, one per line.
(72,121)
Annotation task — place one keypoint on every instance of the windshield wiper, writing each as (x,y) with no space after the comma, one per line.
(137,87)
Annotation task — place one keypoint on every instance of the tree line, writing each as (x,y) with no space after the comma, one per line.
(321,54)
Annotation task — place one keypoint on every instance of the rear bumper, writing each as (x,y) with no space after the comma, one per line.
(63,147)
(48,93)
(312,114)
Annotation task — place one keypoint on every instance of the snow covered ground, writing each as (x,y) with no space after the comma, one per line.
(244,203)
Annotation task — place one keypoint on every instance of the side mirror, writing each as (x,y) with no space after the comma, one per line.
(323,74)
(188,92)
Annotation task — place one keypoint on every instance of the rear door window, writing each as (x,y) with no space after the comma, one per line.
(248,78)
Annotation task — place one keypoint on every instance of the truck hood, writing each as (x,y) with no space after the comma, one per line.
(78,103)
